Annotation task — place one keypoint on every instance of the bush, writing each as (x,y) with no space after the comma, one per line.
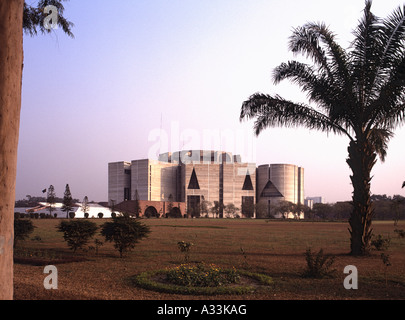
(318,266)
(125,232)
(22,229)
(77,232)
(380,243)
(185,247)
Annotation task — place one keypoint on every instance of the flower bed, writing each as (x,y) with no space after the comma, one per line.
(201,275)
(202,279)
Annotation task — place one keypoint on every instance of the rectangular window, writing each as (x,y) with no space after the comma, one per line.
(127,194)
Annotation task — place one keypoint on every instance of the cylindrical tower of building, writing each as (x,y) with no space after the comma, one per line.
(278,182)
(285,179)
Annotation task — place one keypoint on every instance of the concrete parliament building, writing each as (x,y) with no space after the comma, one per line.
(191,182)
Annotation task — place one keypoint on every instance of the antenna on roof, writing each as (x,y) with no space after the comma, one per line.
(160,139)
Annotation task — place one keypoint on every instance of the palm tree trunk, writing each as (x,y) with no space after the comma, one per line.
(361,161)
(11,59)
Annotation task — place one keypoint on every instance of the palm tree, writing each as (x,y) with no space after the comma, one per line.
(358,93)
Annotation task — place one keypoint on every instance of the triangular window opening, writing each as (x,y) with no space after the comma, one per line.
(270,191)
(247,185)
(193,184)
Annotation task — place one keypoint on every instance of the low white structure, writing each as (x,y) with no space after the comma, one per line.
(93,210)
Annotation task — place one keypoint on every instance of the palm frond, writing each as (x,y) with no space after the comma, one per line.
(393,37)
(277,112)
(328,81)
(388,104)
(389,76)
(395,116)
(317,42)
(305,41)
(33,18)
(316,87)
(319,90)
(379,139)
(389,108)
(364,59)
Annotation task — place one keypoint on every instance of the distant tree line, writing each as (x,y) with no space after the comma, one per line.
(385,208)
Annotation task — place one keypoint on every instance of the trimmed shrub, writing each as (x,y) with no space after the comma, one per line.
(125,232)
(77,233)
(22,229)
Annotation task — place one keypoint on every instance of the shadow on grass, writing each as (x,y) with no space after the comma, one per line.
(43,257)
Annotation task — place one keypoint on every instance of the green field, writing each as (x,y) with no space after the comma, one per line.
(274,248)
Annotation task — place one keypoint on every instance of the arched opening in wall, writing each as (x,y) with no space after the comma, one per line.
(248,206)
(151,212)
(193,206)
(174,213)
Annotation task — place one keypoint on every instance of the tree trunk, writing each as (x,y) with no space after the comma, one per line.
(361,161)
(11,60)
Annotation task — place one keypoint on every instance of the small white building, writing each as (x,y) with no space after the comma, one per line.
(93,210)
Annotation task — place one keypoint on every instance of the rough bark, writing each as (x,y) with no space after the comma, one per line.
(361,161)
(11,60)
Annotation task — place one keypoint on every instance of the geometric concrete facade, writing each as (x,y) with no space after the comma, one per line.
(203,178)
(280,182)
(119,182)
(217,177)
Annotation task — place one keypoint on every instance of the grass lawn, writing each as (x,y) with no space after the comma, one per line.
(274,248)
